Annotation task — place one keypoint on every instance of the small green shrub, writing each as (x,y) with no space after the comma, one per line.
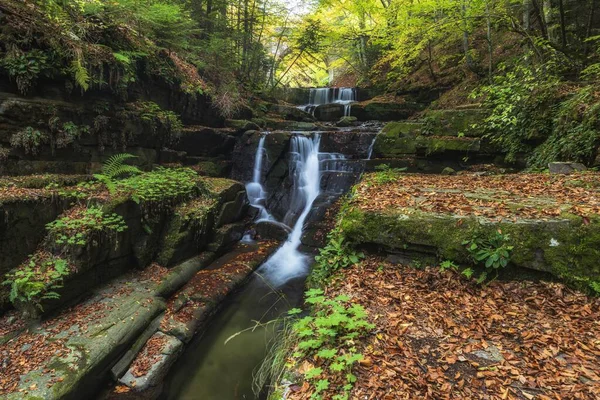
(595,286)
(159,120)
(76,228)
(162,186)
(29,139)
(492,252)
(328,335)
(386,174)
(336,255)
(36,280)
(115,168)
(25,67)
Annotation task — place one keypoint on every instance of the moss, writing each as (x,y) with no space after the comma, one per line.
(397,138)
(208,168)
(43,180)
(454,122)
(441,144)
(566,248)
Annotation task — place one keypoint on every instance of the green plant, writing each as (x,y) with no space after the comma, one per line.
(80,224)
(492,252)
(115,167)
(595,286)
(386,174)
(162,186)
(159,120)
(29,139)
(328,337)
(448,265)
(36,280)
(336,255)
(25,67)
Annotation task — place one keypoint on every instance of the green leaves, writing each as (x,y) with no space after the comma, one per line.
(492,252)
(327,335)
(76,228)
(36,280)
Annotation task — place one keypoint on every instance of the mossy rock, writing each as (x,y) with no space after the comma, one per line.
(397,139)
(568,247)
(291,125)
(455,122)
(241,125)
(433,145)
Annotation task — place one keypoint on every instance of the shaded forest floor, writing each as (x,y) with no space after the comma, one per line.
(440,336)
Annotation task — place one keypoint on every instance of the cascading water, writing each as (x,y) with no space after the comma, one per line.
(256,192)
(372,146)
(288,263)
(319,96)
(219,364)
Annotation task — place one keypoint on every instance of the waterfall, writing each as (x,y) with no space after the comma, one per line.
(319,96)
(288,263)
(372,146)
(255,190)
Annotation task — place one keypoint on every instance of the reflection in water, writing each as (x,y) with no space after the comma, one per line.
(212,370)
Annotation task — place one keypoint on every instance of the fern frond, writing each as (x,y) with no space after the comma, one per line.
(115,166)
(82,77)
(122,58)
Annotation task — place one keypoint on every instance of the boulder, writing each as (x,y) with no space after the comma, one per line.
(565,168)
(329,112)
(291,113)
(448,171)
(241,125)
(345,122)
(272,230)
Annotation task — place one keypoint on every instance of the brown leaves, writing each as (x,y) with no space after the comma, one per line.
(441,337)
(494,197)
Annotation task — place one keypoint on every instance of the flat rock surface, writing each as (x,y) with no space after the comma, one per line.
(496,197)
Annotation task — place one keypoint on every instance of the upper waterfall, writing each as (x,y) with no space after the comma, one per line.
(332,95)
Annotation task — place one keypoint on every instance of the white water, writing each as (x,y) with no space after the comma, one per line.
(288,262)
(319,96)
(256,193)
(372,146)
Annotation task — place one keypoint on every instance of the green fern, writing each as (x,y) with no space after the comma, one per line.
(115,167)
(82,77)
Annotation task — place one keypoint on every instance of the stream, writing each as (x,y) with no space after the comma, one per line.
(220,363)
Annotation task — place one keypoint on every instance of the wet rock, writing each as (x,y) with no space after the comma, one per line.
(329,112)
(233,210)
(226,236)
(565,168)
(291,125)
(345,122)
(291,113)
(161,352)
(272,230)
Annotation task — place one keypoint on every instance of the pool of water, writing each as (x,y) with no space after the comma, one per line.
(219,364)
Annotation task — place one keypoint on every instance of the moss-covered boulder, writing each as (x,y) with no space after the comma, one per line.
(457,122)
